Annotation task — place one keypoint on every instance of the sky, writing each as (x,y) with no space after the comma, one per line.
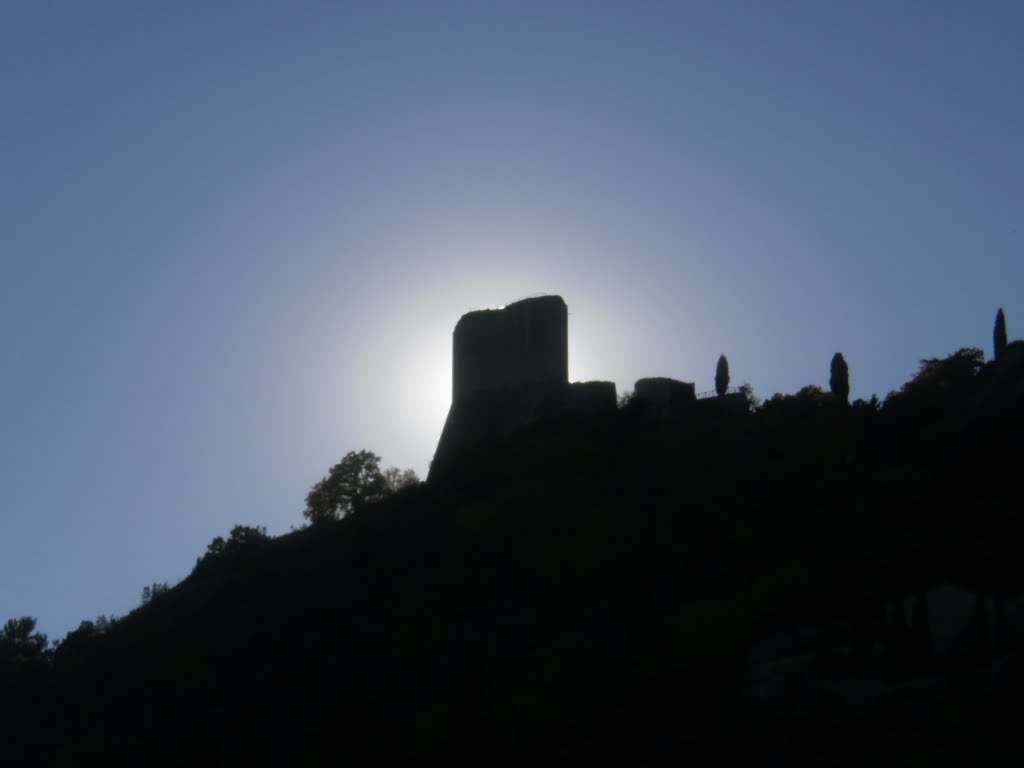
(235,237)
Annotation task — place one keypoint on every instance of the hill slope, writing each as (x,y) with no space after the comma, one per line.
(726,588)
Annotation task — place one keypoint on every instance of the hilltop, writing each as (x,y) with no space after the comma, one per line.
(768,586)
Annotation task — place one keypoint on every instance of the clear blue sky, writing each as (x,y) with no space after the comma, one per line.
(236,236)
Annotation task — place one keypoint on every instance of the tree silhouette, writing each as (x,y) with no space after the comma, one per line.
(396,479)
(79,643)
(839,380)
(154,591)
(722,376)
(20,642)
(747,390)
(938,379)
(999,334)
(241,537)
(351,483)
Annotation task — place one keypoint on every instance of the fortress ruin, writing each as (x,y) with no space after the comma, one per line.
(510,368)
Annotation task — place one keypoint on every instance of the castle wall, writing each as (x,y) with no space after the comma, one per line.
(667,397)
(592,396)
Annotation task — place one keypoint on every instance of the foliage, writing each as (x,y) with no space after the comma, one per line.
(632,406)
(352,483)
(242,537)
(956,368)
(396,479)
(722,376)
(839,378)
(101,626)
(933,398)
(999,334)
(26,710)
(873,404)
(939,379)
(79,642)
(20,642)
(154,591)
(747,390)
(812,394)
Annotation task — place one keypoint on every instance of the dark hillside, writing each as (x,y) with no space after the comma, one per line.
(763,588)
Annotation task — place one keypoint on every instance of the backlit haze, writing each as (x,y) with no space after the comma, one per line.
(236,237)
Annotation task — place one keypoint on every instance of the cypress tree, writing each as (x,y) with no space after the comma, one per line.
(839,380)
(722,376)
(999,334)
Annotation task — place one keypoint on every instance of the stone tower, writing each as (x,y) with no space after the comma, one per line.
(521,345)
(510,367)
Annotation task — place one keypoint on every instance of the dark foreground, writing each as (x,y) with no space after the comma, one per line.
(812,583)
